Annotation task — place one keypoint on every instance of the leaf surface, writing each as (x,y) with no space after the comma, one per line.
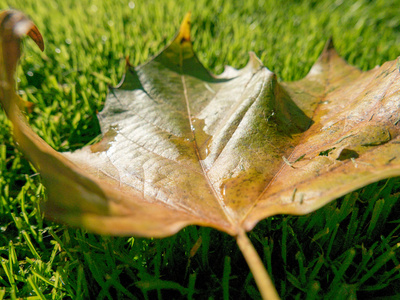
(181,146)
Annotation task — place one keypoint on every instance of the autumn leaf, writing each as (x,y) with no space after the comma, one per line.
(181,146)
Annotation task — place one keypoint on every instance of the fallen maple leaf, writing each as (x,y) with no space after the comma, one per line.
(181,146)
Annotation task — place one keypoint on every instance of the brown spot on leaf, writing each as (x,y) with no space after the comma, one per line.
(106,141)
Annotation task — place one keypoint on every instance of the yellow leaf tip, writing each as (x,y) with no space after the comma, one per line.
(127,62)
(184,30)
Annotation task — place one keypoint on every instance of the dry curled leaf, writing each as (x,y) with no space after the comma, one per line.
(210,148)
(181,146)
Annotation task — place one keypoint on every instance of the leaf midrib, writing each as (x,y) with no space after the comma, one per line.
(196,148)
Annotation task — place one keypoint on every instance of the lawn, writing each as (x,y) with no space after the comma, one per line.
(348,248)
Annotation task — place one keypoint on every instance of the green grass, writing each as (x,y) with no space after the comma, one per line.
(350,247)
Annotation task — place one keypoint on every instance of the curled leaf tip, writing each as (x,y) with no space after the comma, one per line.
(35,35)
(20,25)
(184,30)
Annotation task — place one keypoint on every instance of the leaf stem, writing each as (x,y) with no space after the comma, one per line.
(263,281)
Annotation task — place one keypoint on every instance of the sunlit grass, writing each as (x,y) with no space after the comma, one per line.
(349,247)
